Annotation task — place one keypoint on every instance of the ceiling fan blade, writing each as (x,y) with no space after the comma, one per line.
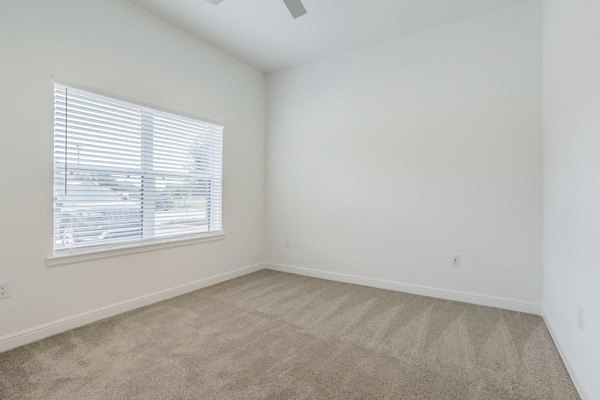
(214,1)
(296,8)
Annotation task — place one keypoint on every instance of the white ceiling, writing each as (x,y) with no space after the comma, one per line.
(263,34)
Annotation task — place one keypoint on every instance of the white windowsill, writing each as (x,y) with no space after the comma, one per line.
(65,257)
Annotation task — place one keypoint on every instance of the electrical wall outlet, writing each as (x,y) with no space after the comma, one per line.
(455,260)
(286,244)
(580,317)
(4,289)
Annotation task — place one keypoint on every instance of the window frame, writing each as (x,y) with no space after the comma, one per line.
(74,255)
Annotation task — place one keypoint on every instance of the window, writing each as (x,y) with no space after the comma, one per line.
(125,174)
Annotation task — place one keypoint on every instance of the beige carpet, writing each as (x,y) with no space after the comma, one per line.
(271,335)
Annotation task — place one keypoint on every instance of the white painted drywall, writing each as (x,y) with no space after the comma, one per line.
(121,50)
(572,183)
(385,161)
(264,34)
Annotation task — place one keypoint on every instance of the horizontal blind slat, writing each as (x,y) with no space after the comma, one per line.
(126,173)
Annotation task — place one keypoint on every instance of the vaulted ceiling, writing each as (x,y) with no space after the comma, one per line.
(263,34)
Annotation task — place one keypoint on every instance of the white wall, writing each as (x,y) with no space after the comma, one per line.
(121,50)
(385,161)
(572,183)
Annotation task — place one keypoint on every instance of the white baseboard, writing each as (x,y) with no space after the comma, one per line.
(483,300)
(579,381)
(26,336)
(21,338)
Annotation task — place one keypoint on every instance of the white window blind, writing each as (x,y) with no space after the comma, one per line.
(125,173)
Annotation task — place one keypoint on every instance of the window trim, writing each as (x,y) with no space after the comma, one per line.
(98,252)
(92,253)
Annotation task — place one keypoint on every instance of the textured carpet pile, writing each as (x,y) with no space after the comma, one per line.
(271,335)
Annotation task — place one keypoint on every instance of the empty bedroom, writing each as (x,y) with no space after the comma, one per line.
(300,199)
